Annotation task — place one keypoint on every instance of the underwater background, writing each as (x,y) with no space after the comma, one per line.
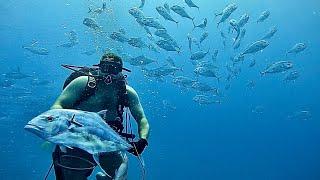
(257,127)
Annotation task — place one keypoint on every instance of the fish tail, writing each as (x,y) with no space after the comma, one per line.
(192,19)
(218,24)
(90,10)
(194,25)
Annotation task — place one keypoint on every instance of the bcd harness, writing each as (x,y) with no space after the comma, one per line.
(93,79)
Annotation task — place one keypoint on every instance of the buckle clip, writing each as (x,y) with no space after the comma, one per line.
(108,80)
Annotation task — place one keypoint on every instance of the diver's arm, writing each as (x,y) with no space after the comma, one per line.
(138,113)
(71,93)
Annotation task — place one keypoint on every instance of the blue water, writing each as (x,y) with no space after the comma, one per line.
(188,141)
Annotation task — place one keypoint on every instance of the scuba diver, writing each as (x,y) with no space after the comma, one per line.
(102,87)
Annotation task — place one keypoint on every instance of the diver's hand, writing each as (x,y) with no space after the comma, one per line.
(138,146)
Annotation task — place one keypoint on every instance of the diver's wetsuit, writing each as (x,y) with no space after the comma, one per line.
(86,162)
(69,159)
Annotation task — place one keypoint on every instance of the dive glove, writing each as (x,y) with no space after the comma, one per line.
(138,146)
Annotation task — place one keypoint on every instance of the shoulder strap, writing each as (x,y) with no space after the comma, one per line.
(90,90)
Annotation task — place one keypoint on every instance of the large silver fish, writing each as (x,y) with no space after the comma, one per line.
(77,129)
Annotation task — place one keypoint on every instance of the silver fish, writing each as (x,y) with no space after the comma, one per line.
(167,45)
(163,71)
(203,37)
(198,55)
(151,22)
(264,15)
(272,31)
(118,36)
(137,42)
(205,100)
(162,33)
(164,13)
(206,64)
(181,11)
(297,48)
(89,22)
(136,13)
(243,20)
(203,87)
(36,50)
(278,67)
(227,11)
(191,4)
(256,46)
(183,81)
(141,60)
(206,72)
(302,115)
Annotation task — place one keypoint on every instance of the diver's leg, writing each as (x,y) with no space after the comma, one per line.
(73,158)
(122,171)
(112,162)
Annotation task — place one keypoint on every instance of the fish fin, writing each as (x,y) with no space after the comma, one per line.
(63,148)
(96,159)
(102,113)
(71,127)
(194,26)
(47,146)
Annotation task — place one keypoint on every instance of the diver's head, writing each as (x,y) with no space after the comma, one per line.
(110,63)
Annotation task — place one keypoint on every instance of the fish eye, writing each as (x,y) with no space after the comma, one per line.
(50,118)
